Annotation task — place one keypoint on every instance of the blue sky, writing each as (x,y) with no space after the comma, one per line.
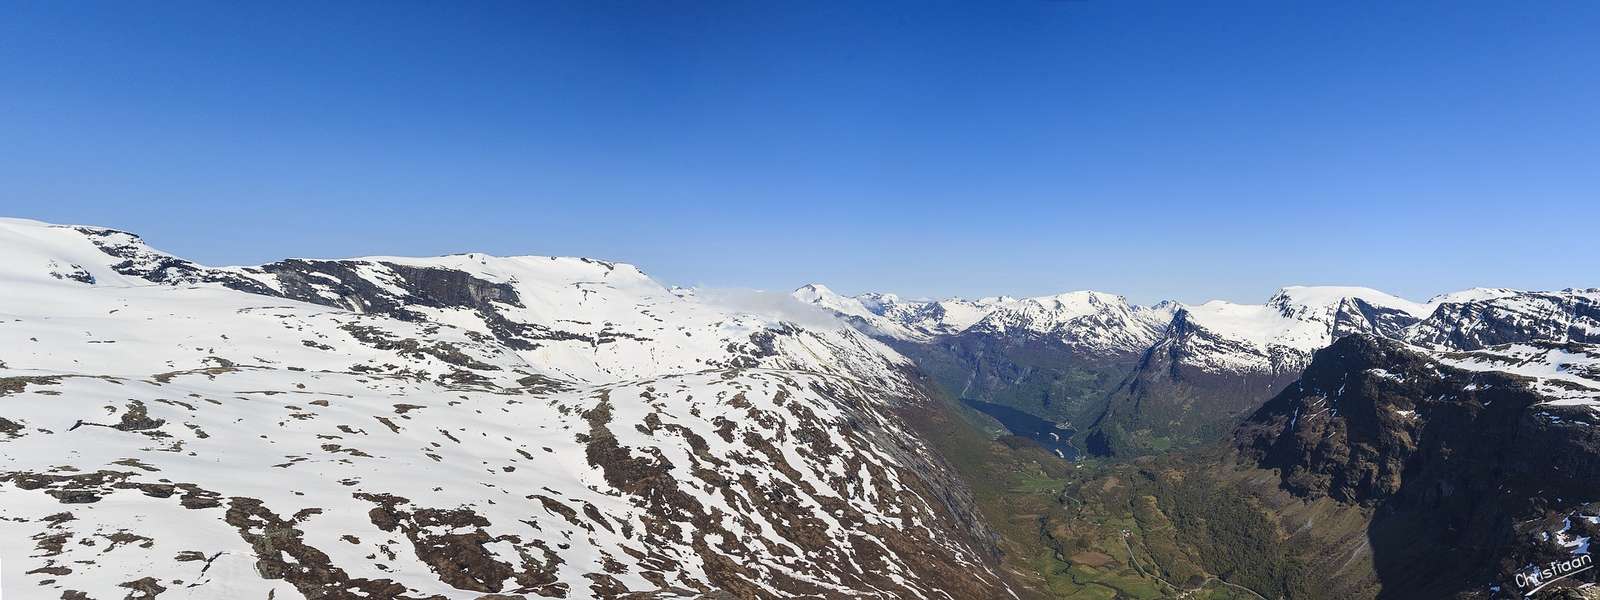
(1155,149)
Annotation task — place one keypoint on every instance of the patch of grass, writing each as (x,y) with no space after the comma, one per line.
(1038,484)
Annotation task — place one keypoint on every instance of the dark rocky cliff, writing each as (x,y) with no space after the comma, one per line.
(1452,464)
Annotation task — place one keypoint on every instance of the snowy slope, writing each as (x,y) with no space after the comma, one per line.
(445,428)
(1567,373)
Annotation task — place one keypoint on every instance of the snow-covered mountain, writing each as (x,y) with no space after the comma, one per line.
(448,427)
(1473,320)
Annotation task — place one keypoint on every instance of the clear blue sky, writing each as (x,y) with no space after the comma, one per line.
(1188,150)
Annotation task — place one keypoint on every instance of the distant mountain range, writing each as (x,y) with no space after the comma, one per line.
(1141,378)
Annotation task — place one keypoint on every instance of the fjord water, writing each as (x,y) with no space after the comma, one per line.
(1049,434)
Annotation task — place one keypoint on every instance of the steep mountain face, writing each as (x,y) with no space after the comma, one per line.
(1137,379)
(450,427)
(1475,466)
